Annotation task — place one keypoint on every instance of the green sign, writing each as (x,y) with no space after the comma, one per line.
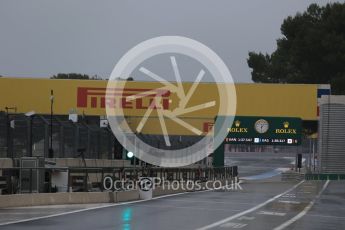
(264,131)
(256,131)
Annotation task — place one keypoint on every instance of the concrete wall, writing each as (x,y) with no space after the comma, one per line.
(34,199)
(127,196)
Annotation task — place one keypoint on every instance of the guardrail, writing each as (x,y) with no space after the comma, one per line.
(83,179)
(324,176)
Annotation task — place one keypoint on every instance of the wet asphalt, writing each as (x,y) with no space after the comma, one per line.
(265,203)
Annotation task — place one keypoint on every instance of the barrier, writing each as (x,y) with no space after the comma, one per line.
(81,179)
(168,174)
(35,199)
(127,195)
(323,176)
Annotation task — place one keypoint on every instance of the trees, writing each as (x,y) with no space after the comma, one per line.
(125,79)
(71,76)
(312,50)
(76,76)
(85,77)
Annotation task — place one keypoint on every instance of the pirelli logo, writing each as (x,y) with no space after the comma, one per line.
(91,97)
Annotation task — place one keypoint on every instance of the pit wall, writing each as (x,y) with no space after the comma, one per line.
(36,199)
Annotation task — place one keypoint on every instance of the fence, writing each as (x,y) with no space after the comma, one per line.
(22,136)
(324,176)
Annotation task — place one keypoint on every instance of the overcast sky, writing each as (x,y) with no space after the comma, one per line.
(39,38)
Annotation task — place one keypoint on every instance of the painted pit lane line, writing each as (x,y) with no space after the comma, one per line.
(326,216)
(304,211)
(190,208)
(199,201)
(94,208)
(98,207)
(223,221)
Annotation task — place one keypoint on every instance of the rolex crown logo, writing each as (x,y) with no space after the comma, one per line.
(286,124)
(237,123)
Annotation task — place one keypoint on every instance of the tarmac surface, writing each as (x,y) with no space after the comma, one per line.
(264,203)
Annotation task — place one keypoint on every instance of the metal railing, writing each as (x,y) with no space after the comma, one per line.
(22,136)
(324,176)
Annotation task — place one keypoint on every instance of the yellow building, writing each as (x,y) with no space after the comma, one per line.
(88,97)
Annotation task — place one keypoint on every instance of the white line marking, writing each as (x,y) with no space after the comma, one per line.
(21,213)
(209,202)
(249,210)
(305,210)
(289,195)
(325,216)
(57,206)
(94,208)
(309,186)
(233,225)
(272,213)
(246,218)
(188,207)
(289,202)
